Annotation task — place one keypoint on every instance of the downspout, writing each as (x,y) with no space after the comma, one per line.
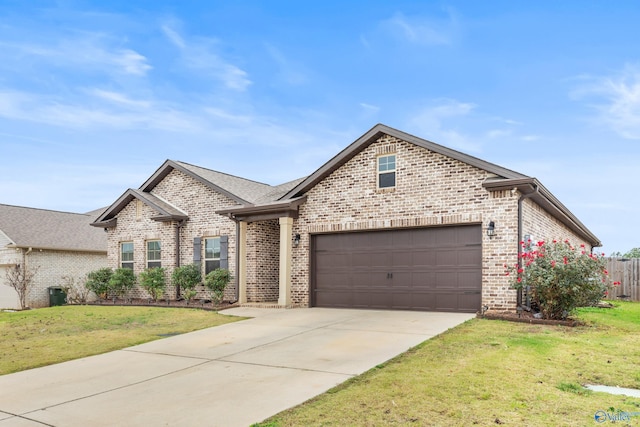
(521,237)
(24,260)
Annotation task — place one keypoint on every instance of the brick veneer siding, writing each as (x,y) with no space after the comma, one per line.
(263,251)
(51,267)
(542,226)
(200,203)
(431,190)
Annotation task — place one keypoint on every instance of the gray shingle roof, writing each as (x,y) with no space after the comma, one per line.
(246,189)
(45,229)
(275,193)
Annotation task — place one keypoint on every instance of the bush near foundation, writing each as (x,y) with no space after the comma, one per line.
(559,277)
(153,281)
(216,281)
(187,277)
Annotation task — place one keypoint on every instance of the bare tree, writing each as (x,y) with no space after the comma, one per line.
(77,292)
(20,278)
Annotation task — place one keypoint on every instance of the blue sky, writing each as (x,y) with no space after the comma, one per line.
(95,95)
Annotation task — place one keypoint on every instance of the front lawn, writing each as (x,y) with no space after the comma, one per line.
(489,372)
(33,338)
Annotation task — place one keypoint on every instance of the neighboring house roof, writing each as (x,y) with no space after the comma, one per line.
(53,230)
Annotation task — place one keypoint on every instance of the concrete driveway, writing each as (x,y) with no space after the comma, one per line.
(231,375)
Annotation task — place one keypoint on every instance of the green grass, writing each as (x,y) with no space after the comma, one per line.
(489,372)
(33,338)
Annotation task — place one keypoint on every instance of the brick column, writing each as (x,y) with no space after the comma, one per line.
(286,244)
(241,247)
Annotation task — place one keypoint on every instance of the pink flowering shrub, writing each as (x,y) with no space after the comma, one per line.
(560,277)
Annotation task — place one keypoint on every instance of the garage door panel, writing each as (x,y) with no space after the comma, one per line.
(380,300)
(447,302)
(380,259)
(401,258)
(470,256)
(469,279)
(423,257)
(334,298)
(447,257)
(446,280)
(419,269)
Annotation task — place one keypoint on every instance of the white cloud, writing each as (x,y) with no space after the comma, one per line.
(82,115)
(529,138)
(199,54)
(617,100)
(369,108)
(173,37)
(497,133)
(422,30)
(119,98)
(90,51)
(433,123)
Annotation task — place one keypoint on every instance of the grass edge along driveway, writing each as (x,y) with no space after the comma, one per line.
(489,372)
(45,336)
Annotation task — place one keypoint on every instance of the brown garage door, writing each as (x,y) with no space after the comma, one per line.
(436,269)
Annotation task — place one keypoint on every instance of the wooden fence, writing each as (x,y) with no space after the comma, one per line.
(627,272)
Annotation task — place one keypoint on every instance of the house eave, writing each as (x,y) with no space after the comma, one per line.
(250,213)
(57,249)
(545,199)
(110,223)
(170,218)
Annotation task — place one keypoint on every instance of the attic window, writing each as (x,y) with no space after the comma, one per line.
(387,171)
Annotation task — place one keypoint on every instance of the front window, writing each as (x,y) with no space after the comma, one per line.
(153,254)
(387,171)
(211,254)
(126,255)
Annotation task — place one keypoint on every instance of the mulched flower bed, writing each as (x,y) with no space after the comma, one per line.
(144,302)
(527,317)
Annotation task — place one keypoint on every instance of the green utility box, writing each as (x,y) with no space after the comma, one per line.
(57,296)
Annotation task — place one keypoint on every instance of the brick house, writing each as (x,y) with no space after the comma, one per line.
(392,221)
(52,244)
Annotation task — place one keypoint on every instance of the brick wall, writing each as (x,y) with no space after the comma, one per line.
(263,251)
(200,203)
(431,190)
(542,226)
(51,267)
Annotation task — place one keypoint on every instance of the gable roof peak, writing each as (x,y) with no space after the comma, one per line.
(373,135)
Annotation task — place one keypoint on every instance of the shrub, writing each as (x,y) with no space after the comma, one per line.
(216,282)
(122,280)
(559,277)
(187,277)
(153,281)
(77,292)
(98,282)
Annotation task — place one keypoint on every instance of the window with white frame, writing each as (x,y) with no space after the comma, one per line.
(126,255)
(211,254)
(153,254)
(387,171)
